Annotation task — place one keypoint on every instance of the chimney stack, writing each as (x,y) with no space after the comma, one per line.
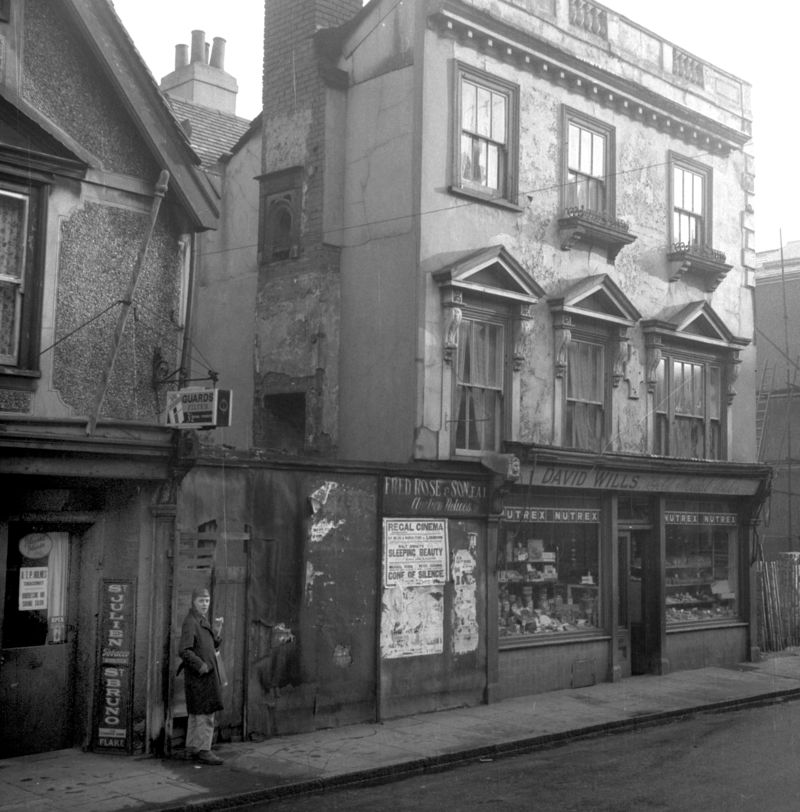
(198,46)
(218,53)
(201,79)
(181,56)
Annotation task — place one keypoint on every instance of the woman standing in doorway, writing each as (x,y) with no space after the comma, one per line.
(198,650)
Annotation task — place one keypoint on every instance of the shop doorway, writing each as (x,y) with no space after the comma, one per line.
(37,639)
(637,615)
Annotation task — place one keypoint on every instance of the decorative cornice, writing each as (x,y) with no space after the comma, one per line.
(558,67)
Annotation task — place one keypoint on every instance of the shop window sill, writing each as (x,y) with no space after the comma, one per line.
(706,625)
(595,230)
(535,640)
(702,262)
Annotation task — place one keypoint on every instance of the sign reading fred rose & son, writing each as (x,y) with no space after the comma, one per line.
(423,496)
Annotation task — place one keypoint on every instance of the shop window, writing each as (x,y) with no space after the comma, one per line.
(480,384)
(549,571)
(20,277)
(485,151)
(688,409)
(37,577)
(701,565)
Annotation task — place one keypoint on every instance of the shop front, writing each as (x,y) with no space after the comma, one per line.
(79,521)
(609,566)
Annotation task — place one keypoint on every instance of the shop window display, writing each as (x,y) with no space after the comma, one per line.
(700,574)
(548,574)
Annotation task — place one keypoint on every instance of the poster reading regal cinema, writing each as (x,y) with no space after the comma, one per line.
(415,552)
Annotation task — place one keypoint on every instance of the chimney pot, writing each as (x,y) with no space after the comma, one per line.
(181,56)
(198,46)
(218,53)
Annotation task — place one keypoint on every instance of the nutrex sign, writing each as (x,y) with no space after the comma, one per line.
(112,732)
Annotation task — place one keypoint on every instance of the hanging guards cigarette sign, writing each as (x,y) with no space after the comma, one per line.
(198,408)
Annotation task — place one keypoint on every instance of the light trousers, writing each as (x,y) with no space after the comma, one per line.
(200,731)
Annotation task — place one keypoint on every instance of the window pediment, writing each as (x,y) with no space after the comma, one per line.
(697,323)
(597,298)
(696,328)
(490,271)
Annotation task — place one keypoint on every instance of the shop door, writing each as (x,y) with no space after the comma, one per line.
(38,647)
(641,591)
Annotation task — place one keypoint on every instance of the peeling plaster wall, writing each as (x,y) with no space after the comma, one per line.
(297,344)
(99,248)
(62,80)
(641,270)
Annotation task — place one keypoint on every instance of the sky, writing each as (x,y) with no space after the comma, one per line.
(756,42)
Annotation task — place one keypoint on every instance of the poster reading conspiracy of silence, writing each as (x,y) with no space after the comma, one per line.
(414,573)
(415,552)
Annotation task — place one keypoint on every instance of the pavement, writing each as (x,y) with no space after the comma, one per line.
(367,753)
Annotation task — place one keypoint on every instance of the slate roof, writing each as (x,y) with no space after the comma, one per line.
(211,133)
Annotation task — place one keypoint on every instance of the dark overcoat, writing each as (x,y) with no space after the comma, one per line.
(199,645)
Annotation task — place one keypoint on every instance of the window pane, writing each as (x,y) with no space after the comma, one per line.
(492,167)
(467,161)
(468,106)
(499,118)
(679,385)
(484,112)
(585,372)
(697,194)
(598,156)
(661,391)
(714,393)
(677,187)
(573,159)
(585,164)
(13,215)
(9,317)
(698,394)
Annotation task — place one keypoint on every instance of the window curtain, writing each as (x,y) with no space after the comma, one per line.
(12,253)
(479,384)
(57,584)
(585,395)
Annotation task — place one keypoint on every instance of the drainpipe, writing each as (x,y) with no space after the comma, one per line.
(186,364)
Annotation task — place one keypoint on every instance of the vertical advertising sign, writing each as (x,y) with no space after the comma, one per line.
(112,729)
